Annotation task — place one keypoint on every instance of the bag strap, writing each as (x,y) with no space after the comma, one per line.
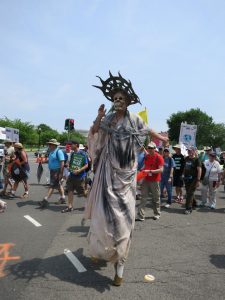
(210,170)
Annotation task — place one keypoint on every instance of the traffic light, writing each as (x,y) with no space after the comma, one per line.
(71,121)
(66,127)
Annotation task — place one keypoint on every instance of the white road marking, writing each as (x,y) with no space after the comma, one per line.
(29,218)
(77,264)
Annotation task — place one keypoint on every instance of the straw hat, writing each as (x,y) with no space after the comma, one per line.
(53,142)
(207,148)
(18,145)
(177,146)
(7,141)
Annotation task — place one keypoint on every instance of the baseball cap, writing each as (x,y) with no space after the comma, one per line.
(152,145)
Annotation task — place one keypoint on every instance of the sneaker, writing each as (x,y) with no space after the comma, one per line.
(140,218)
(43,204)
(187,211)
(167,205)
(11,195)
(156,217)
(212,206)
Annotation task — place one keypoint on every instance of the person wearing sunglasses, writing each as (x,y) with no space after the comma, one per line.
(153,166)
(114,141)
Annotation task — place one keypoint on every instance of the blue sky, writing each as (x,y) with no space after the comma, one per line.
(51,51)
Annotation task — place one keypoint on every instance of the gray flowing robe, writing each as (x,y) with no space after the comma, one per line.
(111,202)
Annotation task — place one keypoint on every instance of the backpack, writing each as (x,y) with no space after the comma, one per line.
(65,155)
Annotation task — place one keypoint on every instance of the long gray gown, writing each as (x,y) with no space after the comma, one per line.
(111,202)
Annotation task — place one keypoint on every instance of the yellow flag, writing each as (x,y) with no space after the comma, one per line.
(144,115)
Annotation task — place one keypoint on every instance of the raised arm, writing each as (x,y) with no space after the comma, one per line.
(159,136)
(101,114)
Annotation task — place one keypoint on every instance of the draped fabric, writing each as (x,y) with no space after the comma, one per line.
(111,202)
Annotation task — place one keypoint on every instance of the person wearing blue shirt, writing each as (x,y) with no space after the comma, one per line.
(56,166)
(76,181)
(167,176)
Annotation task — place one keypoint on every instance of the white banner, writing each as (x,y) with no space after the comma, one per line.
(2,133)
(188,135)
(12,134)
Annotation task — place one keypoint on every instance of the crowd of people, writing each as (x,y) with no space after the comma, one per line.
(162,170)
(116,150)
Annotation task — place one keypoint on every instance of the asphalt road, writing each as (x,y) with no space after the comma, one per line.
(186,254)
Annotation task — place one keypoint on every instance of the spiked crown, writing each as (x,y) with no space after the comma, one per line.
(114,83)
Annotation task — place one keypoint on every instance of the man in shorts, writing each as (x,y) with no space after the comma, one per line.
(76,181)
(56,167)
(178,172)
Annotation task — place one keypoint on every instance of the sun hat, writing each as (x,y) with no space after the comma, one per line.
(7,141)
(53,142)
(177,146)
(152,145)
(207,148)
(18,145)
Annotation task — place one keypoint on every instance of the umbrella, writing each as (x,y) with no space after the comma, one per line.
(39,172)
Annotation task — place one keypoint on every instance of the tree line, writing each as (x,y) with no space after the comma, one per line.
(29,133)
(209,133)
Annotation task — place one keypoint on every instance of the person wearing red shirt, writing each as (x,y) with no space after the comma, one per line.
(153,165)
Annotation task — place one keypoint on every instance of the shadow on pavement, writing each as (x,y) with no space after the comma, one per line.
(173,210)
(208,210)
(80,229)
(218,260)
(61,268)
(26,202)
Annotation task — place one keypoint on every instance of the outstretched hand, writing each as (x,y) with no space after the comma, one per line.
(101,111)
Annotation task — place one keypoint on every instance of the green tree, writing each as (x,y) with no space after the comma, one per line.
(208,133)
(29,134)
(46,133)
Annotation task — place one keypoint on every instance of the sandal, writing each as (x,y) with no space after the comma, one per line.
(177,200)
(68,209)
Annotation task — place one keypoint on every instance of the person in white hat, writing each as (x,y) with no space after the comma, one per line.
(153,166)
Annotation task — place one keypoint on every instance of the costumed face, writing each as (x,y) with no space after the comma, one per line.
(120,102)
